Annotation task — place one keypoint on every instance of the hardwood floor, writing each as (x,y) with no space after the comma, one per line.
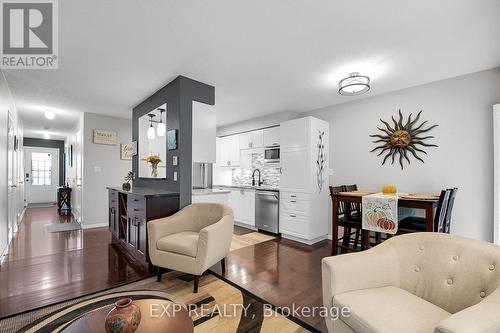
(43,268)
(281,272)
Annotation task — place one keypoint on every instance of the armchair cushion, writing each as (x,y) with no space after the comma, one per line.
(185,243)
(389,310)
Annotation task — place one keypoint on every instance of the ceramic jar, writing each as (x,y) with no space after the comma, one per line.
(124,317)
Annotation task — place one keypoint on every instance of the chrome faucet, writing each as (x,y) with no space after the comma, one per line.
(253,178)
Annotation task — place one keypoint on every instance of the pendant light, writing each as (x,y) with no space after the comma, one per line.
(160,129)
(151,130)
(353,85)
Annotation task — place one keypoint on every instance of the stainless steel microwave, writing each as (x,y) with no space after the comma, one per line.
(272,155)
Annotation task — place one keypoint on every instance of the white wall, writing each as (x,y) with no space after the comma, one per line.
(462,107)
(256,123)
(102,166)
(7,104)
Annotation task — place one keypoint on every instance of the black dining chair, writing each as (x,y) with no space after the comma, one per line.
(416,224)
(349,218)
(449,210)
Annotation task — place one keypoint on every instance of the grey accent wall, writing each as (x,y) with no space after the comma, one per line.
(179,95)
(59,144)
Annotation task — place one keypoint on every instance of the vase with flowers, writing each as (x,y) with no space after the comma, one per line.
(154,160)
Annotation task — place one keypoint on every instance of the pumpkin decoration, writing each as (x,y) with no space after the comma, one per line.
(389,189)
(386,224)
(373,217)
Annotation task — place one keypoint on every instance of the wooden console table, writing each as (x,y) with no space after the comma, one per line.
(129,213)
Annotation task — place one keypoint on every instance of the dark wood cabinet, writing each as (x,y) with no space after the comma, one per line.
(129,213)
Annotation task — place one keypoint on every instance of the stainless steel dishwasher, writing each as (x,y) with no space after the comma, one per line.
(267,211)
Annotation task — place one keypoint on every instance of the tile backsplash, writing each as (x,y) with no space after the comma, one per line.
(270,173)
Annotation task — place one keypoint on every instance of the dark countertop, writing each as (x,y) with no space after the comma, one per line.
(249,187)
(146,192)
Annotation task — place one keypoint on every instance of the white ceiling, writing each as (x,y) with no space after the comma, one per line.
(262,56)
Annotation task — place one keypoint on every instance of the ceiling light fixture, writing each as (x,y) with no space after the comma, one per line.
(160,129)
(50,115)
(151,130)
(46,136)
(353,85)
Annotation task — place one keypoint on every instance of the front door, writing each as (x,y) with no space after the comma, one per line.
(41,171)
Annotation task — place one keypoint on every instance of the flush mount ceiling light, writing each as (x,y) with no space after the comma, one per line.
(50,115)
(353,85)
(46,136)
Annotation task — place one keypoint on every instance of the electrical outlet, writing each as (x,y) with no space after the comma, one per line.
(175,176)
(175,160)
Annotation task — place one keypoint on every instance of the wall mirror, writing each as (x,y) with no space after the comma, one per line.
(152,143)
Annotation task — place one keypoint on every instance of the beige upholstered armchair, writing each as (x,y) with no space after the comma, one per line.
(192,240)
(422,282)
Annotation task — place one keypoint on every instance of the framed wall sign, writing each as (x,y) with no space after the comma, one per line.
(105,137)
(125,151)
(172,139)
(134,148)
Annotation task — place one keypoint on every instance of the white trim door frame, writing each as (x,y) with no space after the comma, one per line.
(496,173)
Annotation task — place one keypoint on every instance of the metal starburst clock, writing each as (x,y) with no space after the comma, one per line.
(399,140)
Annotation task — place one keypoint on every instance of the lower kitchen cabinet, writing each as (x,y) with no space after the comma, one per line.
(243,203)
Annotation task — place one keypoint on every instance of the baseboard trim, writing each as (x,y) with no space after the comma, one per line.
(94,225)
(305,241)
(244,225)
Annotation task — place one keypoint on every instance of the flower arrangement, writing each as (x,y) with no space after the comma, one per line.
(320,162)
(154,160)
(128,178)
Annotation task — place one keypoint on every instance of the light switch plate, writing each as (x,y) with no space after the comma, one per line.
(97,169)
(330,172)
(175,160)
(175,176)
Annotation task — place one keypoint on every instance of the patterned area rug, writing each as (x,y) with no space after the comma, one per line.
(217,307)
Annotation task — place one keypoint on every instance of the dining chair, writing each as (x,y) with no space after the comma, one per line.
(451,202)
(348,219)
(417,224)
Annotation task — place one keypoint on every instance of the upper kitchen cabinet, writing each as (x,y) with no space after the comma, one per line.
(204,133)
(228,148)
(271,136)
(253,139)
(294,133)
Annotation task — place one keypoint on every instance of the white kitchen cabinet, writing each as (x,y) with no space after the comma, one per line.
(304,196)
(218,198)
(294,169)
(294,133)
(204,133)
(228,151)
(271,136)
(253,139)
(243,203)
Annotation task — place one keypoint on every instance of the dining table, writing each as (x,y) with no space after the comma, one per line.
(428,203)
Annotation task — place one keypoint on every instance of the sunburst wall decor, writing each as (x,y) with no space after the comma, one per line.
(401,139)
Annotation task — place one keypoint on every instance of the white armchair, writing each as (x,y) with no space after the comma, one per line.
(421,282)
(192,240)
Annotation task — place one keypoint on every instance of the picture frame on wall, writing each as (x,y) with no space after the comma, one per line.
(125,151)
(105,137)
(172,138)
(134,148)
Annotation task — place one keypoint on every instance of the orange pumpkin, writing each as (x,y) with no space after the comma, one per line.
(386,224)
(389,189)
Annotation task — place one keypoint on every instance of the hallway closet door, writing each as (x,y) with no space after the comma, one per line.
(11,177)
